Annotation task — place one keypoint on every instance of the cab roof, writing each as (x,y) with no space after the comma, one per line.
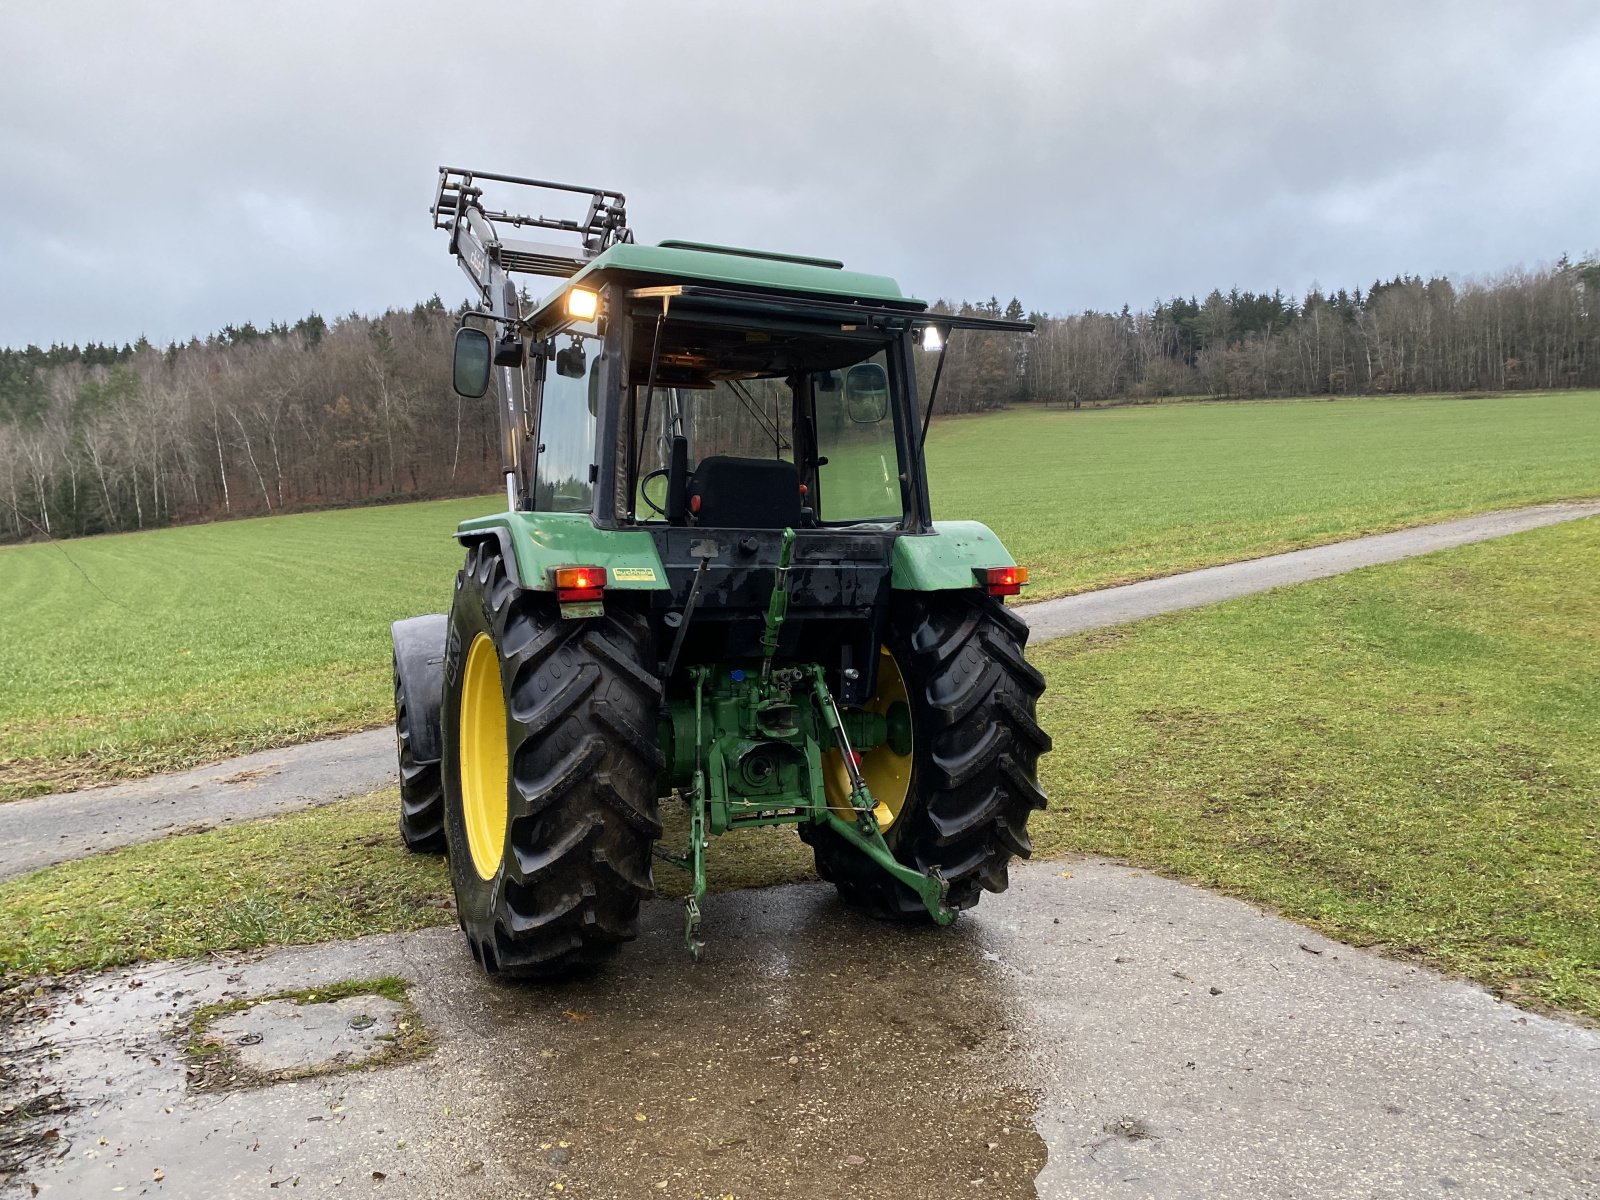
(699,262)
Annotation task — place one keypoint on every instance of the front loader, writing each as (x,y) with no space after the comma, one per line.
(716,583)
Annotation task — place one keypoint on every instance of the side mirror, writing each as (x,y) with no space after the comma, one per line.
(572,362)
(866,393)
(469,373)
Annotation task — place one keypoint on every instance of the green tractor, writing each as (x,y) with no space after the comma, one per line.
(717,583)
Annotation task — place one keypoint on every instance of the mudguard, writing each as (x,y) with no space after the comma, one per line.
(944,559)
(419,661)
(533,542)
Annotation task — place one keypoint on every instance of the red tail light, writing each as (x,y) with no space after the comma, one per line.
(577,584)
(1002,581)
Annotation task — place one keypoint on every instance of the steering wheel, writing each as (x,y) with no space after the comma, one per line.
(644,489)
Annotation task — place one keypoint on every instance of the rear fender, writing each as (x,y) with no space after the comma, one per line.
(419,661)
(945,559)
(533,542)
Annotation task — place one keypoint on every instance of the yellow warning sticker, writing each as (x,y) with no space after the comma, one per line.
(634,574)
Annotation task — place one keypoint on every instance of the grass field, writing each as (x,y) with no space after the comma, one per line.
(1093,498)
(314,876)
(136,653)
(319,875)
(1408,756)
(1405,757)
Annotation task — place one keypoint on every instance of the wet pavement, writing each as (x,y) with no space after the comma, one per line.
(50,829)
(1095,1031)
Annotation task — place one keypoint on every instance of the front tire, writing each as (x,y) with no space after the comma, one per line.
(421,789)
(550,765)
(976,743)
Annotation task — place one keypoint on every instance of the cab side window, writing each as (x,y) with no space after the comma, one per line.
(567,412)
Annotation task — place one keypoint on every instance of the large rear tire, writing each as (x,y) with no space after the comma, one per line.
(551,760)
(974,757)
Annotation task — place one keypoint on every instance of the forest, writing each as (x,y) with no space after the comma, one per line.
(315,414)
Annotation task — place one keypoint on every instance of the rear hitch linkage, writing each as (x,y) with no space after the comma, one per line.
(758,742)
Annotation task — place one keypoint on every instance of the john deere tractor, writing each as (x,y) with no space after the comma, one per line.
(716,583)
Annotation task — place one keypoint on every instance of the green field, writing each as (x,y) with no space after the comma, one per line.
(1097,497)
(319,875)
(136,653)
(1406,757)
(314,876)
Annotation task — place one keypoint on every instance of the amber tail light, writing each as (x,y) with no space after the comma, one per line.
(575,584)
(1002,581)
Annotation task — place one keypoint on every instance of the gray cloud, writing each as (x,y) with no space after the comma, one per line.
(172,168)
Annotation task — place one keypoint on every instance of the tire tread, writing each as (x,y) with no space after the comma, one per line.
(974,780)
(580,698)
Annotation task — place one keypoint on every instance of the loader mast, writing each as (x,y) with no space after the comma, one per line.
(489,258)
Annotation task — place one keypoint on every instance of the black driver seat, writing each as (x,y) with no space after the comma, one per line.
(753,493)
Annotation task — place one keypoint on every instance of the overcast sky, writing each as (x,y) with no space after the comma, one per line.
(169,168)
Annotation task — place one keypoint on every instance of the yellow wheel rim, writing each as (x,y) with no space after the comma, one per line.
(482,746)
(888,774)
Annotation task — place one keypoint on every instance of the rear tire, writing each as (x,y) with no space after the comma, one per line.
(975,748)
(581,706)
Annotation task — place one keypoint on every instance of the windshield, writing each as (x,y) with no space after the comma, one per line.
(823,402)
(747,418)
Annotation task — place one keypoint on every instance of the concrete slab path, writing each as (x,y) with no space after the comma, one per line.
(1093,1032)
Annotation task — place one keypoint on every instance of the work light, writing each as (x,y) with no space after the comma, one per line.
(582,304)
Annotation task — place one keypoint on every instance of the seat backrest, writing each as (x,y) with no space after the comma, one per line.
(757,493)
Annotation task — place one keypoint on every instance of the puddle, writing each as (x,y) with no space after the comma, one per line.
(32,1107)
(812,1053)
(29,1128)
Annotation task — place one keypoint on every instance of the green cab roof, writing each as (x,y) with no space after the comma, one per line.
(692,262)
